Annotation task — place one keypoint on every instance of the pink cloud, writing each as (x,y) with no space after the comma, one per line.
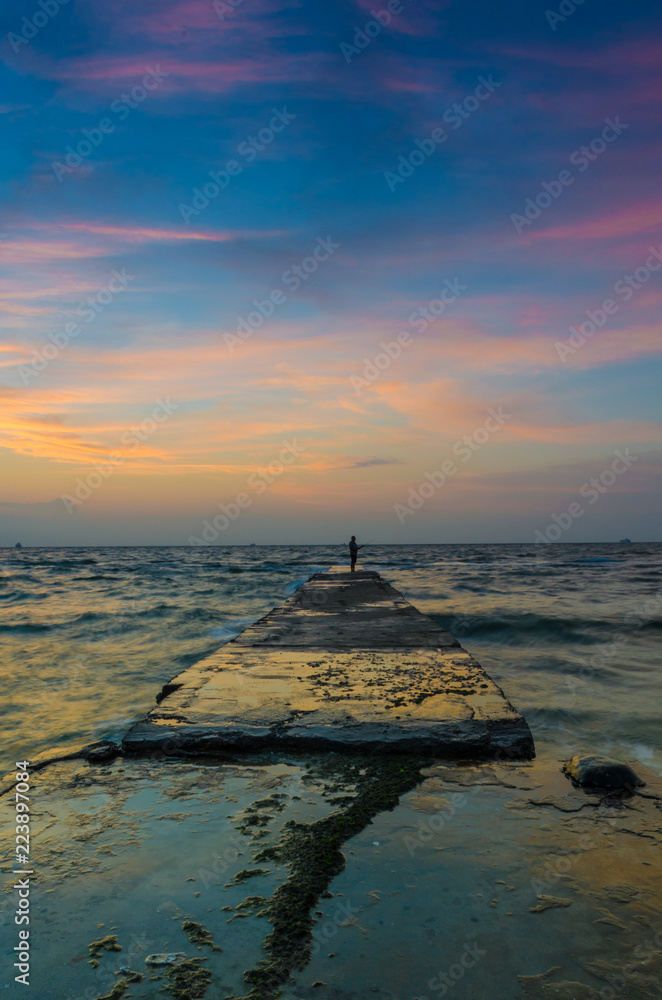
(414,20)
(621,58)
(590,433)
(137,234)
(26,250)
(197,21)
(108,73)
(76,413)
(642,219)
(12,355)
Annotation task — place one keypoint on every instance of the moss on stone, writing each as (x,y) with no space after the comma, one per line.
(108,943)
(274,802)
(188,980)
(117,992)
(198,935)
(132,977)
(247,873)
(251,902)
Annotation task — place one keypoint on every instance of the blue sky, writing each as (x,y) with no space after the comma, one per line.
(162,96)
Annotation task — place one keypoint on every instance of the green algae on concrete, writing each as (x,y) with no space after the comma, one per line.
(247,873)
(345,664)
(198,935)
(311,853)
(122,985)
(188,979)
(108,943)
(117,992)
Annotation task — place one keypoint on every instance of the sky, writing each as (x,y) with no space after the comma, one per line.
(280,272)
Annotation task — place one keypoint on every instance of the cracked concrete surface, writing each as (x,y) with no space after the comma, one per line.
(345,663)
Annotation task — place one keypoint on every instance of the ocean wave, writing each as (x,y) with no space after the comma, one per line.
(232,629)
(534,617)
(93,576)
(594,559)
(21,595)
(299,581)
(520,628)
(66,563)
(198,614)
(25,627)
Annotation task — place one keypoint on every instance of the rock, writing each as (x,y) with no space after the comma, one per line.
(601,772)
(103,750)
(549,903)
(95,753)
(164,958)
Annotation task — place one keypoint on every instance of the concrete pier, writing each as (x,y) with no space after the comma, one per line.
(345,664)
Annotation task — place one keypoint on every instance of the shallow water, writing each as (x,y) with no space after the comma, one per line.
(135,850)
(571,632)
(496,881)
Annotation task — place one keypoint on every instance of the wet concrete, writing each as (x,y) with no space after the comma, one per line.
(500,882)
(476,881)
(345,664)
(159,855)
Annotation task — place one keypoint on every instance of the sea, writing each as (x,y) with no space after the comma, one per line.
(571,632)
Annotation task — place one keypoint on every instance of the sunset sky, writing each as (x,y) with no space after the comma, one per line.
(115,119)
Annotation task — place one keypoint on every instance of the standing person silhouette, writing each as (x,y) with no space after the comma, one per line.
(353,552)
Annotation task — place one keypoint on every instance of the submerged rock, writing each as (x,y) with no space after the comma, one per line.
(601,772)
(549,903)
(103,750)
